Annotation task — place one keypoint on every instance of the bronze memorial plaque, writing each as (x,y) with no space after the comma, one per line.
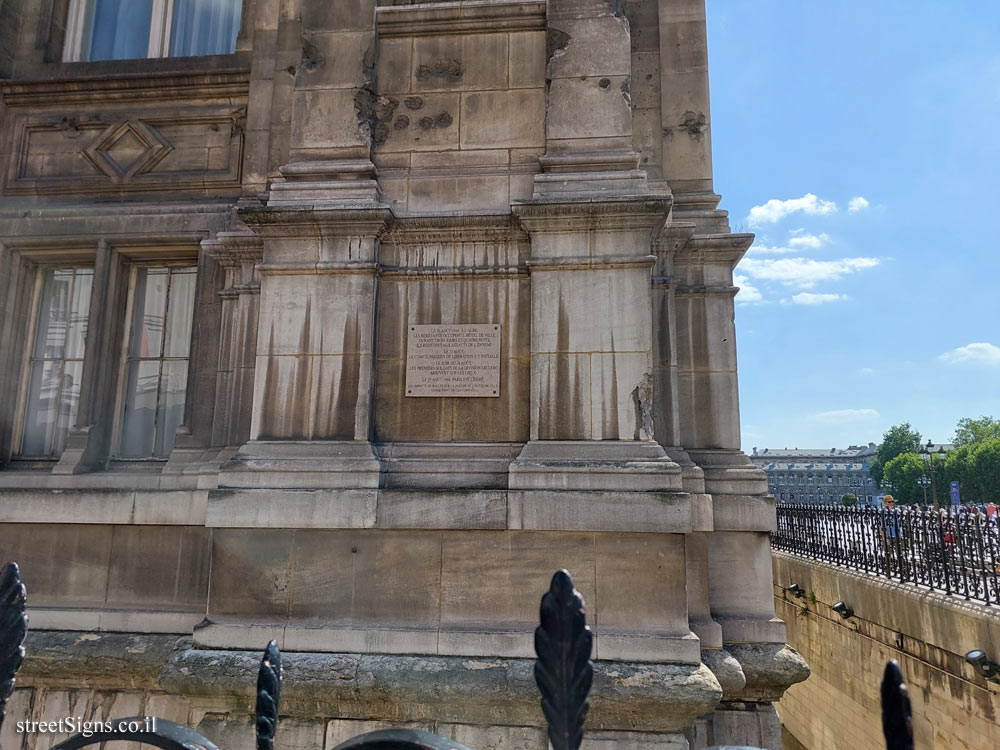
(458,360)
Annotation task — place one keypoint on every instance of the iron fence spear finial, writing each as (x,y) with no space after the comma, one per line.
(563,670)
(13,628)
(268,696)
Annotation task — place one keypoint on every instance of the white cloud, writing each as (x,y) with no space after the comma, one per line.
(803,273)
(775,210)
(796,243)
(812,241)
(811,298)
(857,203)
(866,371)
(748,293)
(977,353)
(845,415)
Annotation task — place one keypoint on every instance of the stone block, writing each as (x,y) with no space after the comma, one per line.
(433,126)
(588,107)
(394,69)
(495,737)
(159,567)
(333,60)
(467,62)
(598,45)
(511,119)
(527,60)
(75,577)
(474,193)
(325,119)
(552,508)
(514,568)
(18,709)
(560,397)
(327,508)
(593,311)
(366,578)
(251,573)
(413,509)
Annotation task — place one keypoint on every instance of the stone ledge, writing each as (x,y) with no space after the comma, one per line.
(489,691)
(428,19)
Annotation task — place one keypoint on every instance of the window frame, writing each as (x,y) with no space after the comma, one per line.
(79,17)
(38,270)
(121,375)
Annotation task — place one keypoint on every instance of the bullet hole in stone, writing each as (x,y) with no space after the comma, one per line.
(555,42)
(354,550)
(447,68)
(443,120)
(413,102)
(649,76)
(311,57)
(290,70)
(694,124)
(604,83)
(402,122)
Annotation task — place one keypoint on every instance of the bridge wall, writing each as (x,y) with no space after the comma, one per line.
(927,632)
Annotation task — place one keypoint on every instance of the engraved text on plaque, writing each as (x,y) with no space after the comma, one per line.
(458,360)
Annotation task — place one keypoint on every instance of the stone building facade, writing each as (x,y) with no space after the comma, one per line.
(818,476)
(213,259)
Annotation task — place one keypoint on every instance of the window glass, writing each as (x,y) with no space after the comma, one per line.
(56,364)
(119,29)
(159,347)
(204,27)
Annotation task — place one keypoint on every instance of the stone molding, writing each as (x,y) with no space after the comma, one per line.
(467,17)
(169,87)
(626,696)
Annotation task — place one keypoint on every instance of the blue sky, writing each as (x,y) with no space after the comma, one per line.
(857,316)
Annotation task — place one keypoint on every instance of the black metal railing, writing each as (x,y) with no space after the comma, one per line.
(945,550)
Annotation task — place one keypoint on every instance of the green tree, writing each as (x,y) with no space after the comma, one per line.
(970,431)
(903,471)
(901,438)
(985,460)
(849,500)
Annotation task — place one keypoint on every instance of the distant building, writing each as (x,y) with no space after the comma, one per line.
(818,476)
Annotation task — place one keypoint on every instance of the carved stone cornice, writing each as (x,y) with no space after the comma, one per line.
(112,88)
(714,249)
(434,19)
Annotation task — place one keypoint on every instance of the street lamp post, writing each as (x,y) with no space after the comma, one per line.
(928,453)
(923,481)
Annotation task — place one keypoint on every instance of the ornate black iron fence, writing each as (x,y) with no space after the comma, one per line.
(954,552)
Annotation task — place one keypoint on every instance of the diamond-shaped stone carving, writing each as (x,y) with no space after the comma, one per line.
(126,149)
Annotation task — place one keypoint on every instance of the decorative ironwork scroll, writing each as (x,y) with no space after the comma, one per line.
(13,628)
(268,696)
(897,719)
(400,739)
(563,670)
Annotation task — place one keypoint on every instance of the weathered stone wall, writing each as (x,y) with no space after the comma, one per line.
(954,708)
(354,169)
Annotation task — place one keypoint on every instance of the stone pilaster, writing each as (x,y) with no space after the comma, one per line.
(239,253)
(334,106)
(591,347)
(588,120)
(313,385)
(737,551)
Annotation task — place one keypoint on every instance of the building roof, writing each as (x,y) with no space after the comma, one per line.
(801,466)
(819,454)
